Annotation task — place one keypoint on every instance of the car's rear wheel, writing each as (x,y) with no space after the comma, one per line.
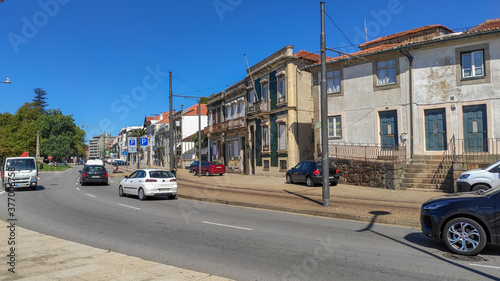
(207,173)
(141,194)
(171,197)
(480,187)
(464,236)
(194,173)
(309,181)
(289,178)
(221,174)
(120,191)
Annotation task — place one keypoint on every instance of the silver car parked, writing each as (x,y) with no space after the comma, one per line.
(149,182)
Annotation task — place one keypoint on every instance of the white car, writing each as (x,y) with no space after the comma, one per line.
(480,179)
(149,182)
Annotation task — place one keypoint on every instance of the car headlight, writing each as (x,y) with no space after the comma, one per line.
(464,176)
(434,206)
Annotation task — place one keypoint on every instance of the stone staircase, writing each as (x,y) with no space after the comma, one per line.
(429,173)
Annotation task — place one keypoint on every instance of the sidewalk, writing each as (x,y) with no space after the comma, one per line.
(400,207)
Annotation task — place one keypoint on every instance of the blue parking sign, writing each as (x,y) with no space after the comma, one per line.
(144,141)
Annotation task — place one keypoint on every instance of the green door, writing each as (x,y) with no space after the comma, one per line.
(435,129)
(475,133)
(388,129)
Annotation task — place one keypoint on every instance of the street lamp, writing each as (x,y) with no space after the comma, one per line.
(7,81)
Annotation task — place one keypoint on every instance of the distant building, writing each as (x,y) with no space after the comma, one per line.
(100,146)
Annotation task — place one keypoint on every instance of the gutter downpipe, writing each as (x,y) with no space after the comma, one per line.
(410,59)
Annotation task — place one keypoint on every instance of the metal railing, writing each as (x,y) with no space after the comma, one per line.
(368,152)
(480,151)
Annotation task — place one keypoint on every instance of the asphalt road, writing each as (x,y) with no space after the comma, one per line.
(237,243)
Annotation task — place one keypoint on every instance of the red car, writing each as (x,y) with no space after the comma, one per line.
(210,168)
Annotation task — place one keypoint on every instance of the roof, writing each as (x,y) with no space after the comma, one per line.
(192,111)
(307,55)
(166,118)
(424,34)
(488,25)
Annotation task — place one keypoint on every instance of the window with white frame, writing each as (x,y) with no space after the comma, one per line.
(265,138)
(242,109)
(235,110)
(282,136)
(472,64)
(386,72)
(228,112)
(251,98)
(265,96)
(333,82)
(281,89)
(335,127)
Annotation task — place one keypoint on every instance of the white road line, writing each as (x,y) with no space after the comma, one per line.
(488,266)
(2,192)
(90,195)
(225,225)
(77,188)
(129,207)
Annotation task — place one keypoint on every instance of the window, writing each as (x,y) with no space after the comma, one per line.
(266,164)
(283,165)
(281,89)
(472,64)
(265,138)
(265,97)
(282,136)
(235,148)
(251,99)
(242,109)
(333,82)
(335,127)
(235,110)
(386,72)
(229,148)
(228,112)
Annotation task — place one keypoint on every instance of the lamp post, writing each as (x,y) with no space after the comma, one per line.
(7,81)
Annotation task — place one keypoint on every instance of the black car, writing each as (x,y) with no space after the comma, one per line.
(464,221)
(94,174)
(310,172)
(194,164)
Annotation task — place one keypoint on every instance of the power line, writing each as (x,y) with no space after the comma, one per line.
(188,84)
(352,45)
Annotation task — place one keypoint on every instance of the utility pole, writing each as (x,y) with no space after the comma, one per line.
(199,138)
(324,114)
(171,121)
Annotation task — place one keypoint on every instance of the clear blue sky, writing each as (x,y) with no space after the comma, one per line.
(107,62)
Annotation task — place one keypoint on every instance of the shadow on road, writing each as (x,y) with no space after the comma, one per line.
(418,238)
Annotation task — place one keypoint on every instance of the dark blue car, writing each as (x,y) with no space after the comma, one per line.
(311,173)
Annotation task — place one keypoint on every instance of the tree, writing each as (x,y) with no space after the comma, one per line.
(204,140)
(137,133)
(59,147)
(40,99)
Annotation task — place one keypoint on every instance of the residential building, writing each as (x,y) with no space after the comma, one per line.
(216,128)
(100,146)
(120,145)
(161,145)
(429,91)
(280,113)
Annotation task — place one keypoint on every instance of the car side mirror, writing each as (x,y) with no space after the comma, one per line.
(126,177)
(80,171)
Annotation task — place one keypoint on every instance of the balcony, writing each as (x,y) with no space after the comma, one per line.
(236,123)
(216,128)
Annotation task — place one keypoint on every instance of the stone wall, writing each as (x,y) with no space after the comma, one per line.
(371,174)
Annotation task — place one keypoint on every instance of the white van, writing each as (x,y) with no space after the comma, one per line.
(94,162)
(480,179)
(19,172)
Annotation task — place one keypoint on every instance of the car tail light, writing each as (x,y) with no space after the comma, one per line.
(316,172)
(336,171)
(151,180)
(106,175)
(173,180)
(83,175)
(3,175)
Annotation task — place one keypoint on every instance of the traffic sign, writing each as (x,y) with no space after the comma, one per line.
(144,141)
(132,141)
(124,153)
(50,157)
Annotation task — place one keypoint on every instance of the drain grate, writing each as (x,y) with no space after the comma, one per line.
(464,258)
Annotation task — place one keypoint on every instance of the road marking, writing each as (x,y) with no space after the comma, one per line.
(90,195)
(2,192)
(77,188)
(129,207)
(225,225)
(488,266)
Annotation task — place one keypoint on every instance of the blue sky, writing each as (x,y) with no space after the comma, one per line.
(106,62)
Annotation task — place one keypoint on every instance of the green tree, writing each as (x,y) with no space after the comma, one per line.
(204,140)
(137,133)
(59,147)
(40,99)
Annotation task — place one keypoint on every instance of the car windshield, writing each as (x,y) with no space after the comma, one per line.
(215,163)
(320,164)
(160,174)
(95,169)
(21,164)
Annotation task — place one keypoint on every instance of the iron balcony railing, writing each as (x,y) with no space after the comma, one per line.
(368,152)
(480,151)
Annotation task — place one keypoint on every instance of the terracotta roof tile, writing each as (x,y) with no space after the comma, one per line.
(307,55)
(192,111)
(486,26)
